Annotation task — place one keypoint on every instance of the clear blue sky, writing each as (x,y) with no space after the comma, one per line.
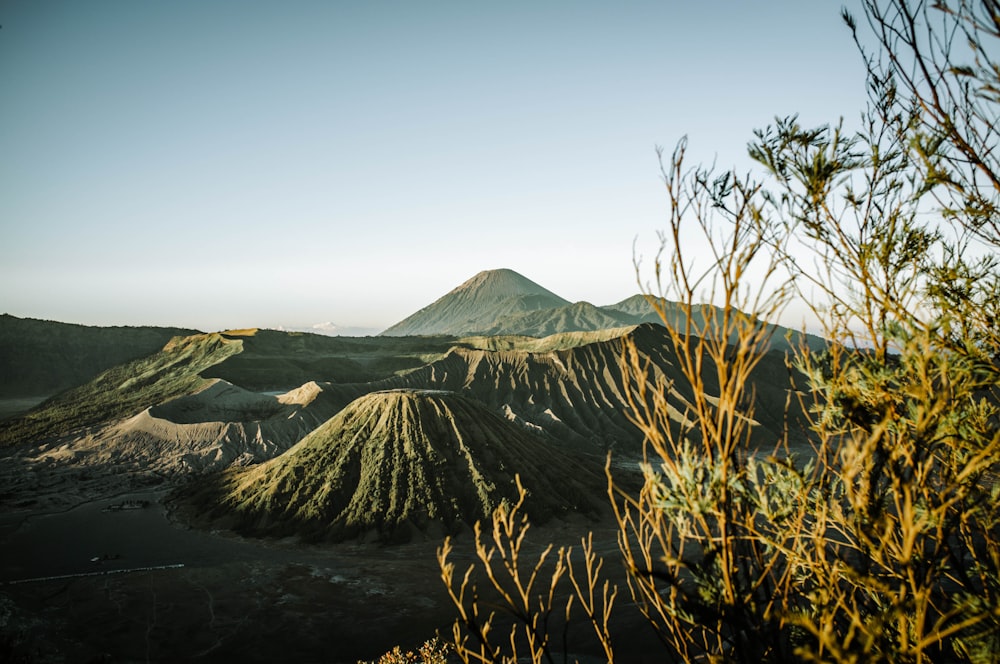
(217,164)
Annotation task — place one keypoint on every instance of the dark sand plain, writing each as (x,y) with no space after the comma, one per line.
(209,596)
(163,592)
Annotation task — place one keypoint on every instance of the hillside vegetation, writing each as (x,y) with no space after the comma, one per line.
(477,304)
(123,390)
(40,358)
(395,463)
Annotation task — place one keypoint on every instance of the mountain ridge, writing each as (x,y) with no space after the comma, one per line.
(503,302)
(211,400)
(42,357)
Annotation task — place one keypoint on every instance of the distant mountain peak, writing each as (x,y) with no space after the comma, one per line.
(477,304)
(503,302)
(502,283)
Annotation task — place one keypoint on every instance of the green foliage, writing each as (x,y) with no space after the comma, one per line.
(433,651)
(874,534)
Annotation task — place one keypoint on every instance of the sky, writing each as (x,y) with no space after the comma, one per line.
(219,164)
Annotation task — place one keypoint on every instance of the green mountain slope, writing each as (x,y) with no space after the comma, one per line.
(478,305)
(123,390)
(395,463)
(256,360)
(577,317)
(502,302)
(40,357)
(575,391)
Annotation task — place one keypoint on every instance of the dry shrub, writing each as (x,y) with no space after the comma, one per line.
(871,533)
(433,651)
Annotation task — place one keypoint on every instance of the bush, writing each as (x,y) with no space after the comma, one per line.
(431,652)
(874,533)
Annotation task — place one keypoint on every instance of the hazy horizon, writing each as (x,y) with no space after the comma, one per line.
(215,165)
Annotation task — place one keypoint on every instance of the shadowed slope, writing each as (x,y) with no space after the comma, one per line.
(215,427)
(578,394)
(252,359)
(639,309)
(159,418)
(123,390)
(40,357)
(392,462)
(276,361)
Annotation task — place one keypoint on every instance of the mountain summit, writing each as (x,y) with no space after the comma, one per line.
(478,305)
